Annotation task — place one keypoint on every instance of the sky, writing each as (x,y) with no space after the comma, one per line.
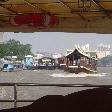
(58,42)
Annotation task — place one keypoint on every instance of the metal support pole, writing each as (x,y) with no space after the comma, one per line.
(15,95)
(73,60)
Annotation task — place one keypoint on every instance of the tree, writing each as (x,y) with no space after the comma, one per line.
(13,47)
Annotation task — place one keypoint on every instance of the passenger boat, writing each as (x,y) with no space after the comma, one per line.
(28,62)
(79,61)
(18,66)
(62,62)
(46,63)
(8,67)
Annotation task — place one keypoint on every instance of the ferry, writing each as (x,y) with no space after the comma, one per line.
(46,63)
(79,61)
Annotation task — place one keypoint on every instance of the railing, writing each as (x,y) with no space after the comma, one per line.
(90,65)
(15,85)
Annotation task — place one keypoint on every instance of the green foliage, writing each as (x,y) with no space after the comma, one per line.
(15,48)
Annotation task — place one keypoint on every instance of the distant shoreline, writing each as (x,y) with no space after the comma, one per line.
(104,66)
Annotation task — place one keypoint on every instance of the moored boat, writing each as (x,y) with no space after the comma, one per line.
(46,63)
(28,62)
(8,67)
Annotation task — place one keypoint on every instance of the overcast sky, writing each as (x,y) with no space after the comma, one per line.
(58,41)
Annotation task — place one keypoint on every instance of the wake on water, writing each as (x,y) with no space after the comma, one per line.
(78,75)
(81,74)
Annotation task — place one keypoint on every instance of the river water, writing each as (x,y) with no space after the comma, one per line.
(104,76)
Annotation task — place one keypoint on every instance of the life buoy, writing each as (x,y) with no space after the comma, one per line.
(42,20)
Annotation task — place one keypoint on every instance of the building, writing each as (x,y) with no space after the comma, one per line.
(103,50)
(28,61)
(56,55)
(38,55)
(1,37)
(85,48)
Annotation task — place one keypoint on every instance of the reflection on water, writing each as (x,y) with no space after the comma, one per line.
(104,76)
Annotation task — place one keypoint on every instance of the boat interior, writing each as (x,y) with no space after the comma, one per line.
(94,16)
(78,16)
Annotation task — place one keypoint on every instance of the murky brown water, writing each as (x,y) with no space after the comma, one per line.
(104,76)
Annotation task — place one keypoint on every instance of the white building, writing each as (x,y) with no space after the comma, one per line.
(103,50)
(85,48)
(38,55)
(1,37)
(28,56)
(56,55)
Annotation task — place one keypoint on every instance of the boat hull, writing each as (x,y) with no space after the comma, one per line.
(47,67)
(8,67)
(8,70)
(77,70)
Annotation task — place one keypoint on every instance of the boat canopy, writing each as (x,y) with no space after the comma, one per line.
(64,15)
(76,54)
(8,66)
